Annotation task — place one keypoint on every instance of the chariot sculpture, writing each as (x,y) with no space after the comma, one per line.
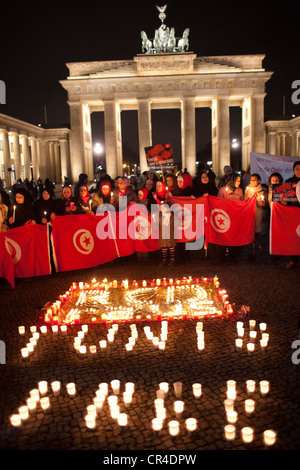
(164,40)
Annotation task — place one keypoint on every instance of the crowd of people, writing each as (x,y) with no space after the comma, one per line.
(37,203)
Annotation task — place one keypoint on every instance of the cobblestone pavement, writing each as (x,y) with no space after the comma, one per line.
(272,293)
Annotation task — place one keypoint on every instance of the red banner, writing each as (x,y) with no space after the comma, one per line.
(189,218)
(6,262)
(29,248)
(285,230)
(230,223)
(84,241)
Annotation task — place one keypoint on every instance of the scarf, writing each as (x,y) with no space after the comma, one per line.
(87,197)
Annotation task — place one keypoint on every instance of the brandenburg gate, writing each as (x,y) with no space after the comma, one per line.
(166,75)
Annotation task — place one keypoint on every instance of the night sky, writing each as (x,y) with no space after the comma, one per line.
(39,38)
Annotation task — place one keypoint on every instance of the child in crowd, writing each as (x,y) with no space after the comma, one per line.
(102,196)
(256,190)
(166,234)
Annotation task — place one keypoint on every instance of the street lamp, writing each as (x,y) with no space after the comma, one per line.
(98,148)
(235,145)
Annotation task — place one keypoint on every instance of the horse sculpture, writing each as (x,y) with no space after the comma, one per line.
(146,43)
(183,43)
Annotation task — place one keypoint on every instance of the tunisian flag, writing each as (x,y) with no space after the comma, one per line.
(29,248)
(84,241)
(230,223)
(284,230)
(188,218)
(6,262)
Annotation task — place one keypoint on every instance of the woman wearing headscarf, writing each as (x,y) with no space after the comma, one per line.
(21,212)
(203,186)
(65,205)
(103,196)
(44,207)
(159,195)
(184,186)
(83,202)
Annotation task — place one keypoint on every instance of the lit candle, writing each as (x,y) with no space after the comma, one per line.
(44,329)
(231,416)
(197,390)
(252,324)
(127,398)
(31,403)
(156,425)
(253,335)
(71,389)
(92,410)
(82,349)
(102,344)
(269,437)
(55,387)
(249,406)
(14,213)
(247,435)
(115,385)
(162,345)
(191,425)
(264,387)
(262,326)
(115,284)
(250,386)
(93,349)
(90,421)
(238,344)
(160,394)
(164,386)
(33,329)
(21,330)
(25,353)
(178,408)
(45,403)
(159,403)
(122,420)
(54,329)
(161,413)
(23,412)
(250,348)
(231,385)
(43,387)
(226,189)
(229,432)
(35,394)
(115,411)
(229,405)
(173,428)
(16,420)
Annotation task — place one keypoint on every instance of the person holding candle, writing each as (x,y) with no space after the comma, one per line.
(123,195)
(44,207)
(159,195)
(274,178)
(102,196)
(83,201)
(65,205)
(294,181)
(256,190)
(21,213)
(3,215)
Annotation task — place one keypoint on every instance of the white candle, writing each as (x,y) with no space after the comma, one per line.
(238,344)
(250,386)
(229,405)
(161,345)
(178,389)
(23,412)
(173,428)
(14,213)
(43,387)
(161,413)
(82,349)
(127,398)
(15,420)
(115,411)
(45,403)
(191,424)
(55,387)
(252,324)
(156,424)
(239,325)
(115,385)
(93,349)
(25,353)
(229,432)
(33,329)
(122,420)
(178,408)
(247,435)
(264,387)
(231,384)
(160,394)
(269,437)
(98,402)
(241,332)
(231,416)
(249,406)
(112,400)
(262,326)
(35,394)
(159,403)
(103,386)
(250,348)
(84,328)
(197,390)
(102,344)
(90,421)
(71,389)
(31,403)
(253,335)
(54,329)
(21,330)
(43,329)
(164,386)
(92,410)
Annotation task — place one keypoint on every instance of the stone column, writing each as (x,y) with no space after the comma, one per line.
(272,142)
(57,166)
(34,159)
(188,135)
(220,134)
(43,173)
(26,156)
(76,141)
(52,161)
(6,157)
(145,131)
(113,138)
(64,158)
(258,135)
(87,142)
(17,155)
